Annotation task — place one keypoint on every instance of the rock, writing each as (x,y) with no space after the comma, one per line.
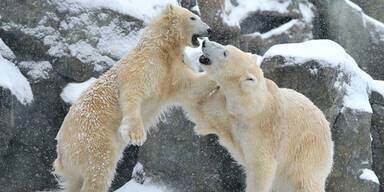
(377,132)
(261,28)
(26,161)
(320,81)
(373,8)
(361,30)
(175,156)
(78,42)
(353,153)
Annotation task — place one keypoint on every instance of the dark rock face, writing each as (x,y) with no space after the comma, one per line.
(176,156)
(360,36)
(55,32)
(27,160)
(262,22)
(373,8)
(377,132)
(350,128)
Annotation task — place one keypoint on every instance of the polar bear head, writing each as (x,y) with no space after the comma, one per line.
(177,23)
(238,74)
(229,64)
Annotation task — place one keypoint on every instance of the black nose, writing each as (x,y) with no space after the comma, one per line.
(203,44)
(209,31)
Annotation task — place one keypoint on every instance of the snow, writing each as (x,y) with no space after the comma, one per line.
(277,31)
(12,79)
(306,11)
(37,69)
(369,175)
(331,54)
(135,185)
(143,10)
(377,25)
(73,91)
(233,15)
(194,54)
(132,185)
(5,51)
(353,5)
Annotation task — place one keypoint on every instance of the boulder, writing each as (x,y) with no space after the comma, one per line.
(79,42)
(373,8)
(175,156)
(377,132)
(361,36)
(255,28)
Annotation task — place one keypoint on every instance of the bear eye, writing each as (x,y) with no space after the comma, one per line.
(225,54)
(250,79)
(192,18)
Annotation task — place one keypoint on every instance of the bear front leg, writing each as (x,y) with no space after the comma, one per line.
(132,127)
(260,174)
(202,85)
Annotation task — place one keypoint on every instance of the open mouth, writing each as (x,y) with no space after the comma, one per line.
(204,60)
(195,41)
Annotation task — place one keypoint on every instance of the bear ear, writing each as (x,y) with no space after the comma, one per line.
(257,58)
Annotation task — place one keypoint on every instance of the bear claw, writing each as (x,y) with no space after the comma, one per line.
(133,136)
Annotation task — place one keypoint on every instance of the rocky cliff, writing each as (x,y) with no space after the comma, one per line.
(48,48)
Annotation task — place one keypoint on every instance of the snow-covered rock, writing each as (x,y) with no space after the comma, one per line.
(12,79)
(360,34)
(330,54)
(369,175)
(6,52)
(257,25)
(37,69)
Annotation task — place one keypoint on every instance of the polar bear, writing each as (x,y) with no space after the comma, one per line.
(123,103)
(284,138)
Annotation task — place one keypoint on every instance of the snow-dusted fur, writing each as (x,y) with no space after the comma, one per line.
(122,104)
(281,138)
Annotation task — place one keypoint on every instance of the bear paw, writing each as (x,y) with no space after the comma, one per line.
(133,135)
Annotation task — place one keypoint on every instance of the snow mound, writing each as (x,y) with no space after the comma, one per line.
(369,175)
(5,51)
(12,79)
(37,69)
(137,187)
(73,91)
(143,10)
(331,54)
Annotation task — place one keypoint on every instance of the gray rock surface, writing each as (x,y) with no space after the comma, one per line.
(350,128)
(373,8)
(261,24)
(352,29)
(54,33)
(175,156)
(377,132)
